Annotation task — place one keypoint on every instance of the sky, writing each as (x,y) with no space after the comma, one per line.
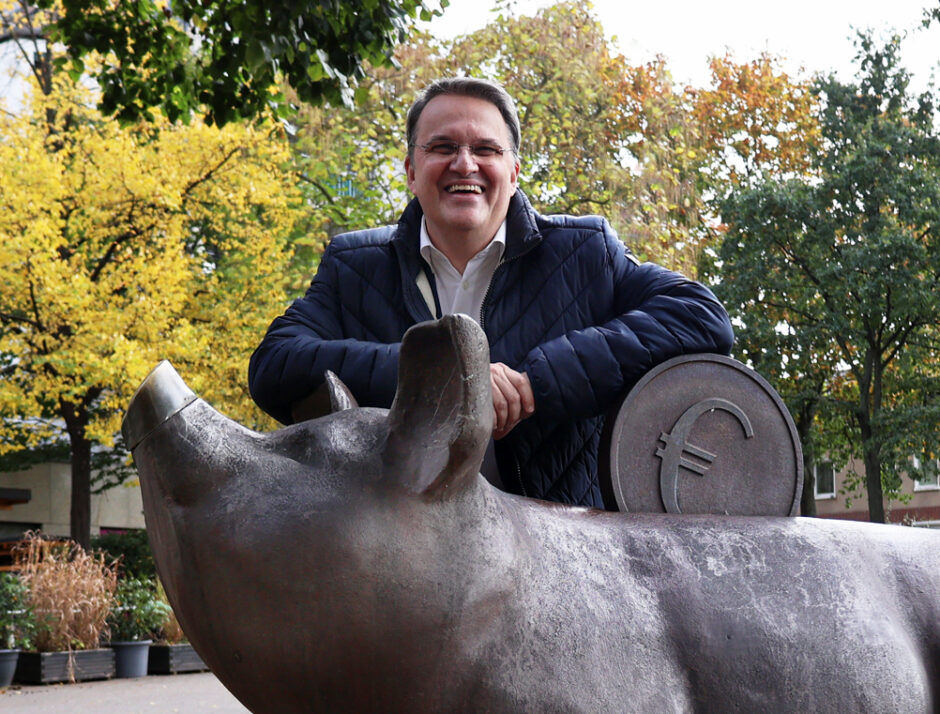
(813,35)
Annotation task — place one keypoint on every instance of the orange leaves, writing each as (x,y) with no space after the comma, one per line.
(758,118)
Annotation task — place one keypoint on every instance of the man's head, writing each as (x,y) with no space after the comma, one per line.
(462,163)
(466,87)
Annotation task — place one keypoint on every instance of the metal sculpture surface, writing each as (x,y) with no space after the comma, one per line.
(705,434)
(359,563)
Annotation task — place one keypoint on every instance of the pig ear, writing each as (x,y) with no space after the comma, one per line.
(340,396)
(442,416)
(331,396)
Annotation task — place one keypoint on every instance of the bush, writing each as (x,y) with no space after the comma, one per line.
(69,591)
(137,614)
(171,633)
(131,549)
(16,618)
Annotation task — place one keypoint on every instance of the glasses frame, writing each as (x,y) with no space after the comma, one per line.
(457,146)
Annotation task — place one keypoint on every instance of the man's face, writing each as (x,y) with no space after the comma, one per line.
(464,197)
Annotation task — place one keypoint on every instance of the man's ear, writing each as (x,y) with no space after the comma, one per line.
(442,416)
(409,172)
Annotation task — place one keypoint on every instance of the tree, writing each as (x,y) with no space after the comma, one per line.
(224,56)
(691,146)
(756,121)
(556,64)
(846,265)
(123,246)
(667,218)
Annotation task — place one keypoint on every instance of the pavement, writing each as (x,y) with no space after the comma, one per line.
(190,693)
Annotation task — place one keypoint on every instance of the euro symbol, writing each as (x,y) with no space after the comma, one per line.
(675,447)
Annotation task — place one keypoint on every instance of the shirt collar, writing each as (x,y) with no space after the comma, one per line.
(427,247)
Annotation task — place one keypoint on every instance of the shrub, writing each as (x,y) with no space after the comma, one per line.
(137,614)
(131,549)
(69,591)
(16,617)
(171,633)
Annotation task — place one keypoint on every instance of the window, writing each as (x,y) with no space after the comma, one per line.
(825,479)
(930,478)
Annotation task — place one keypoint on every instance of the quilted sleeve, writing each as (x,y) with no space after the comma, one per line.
(307,340)
(659,314)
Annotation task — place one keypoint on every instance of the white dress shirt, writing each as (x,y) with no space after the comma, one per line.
(463,293)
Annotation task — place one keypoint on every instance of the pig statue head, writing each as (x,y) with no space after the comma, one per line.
(359,563)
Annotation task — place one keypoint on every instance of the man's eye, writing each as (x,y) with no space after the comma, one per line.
(485,150)
(444,148)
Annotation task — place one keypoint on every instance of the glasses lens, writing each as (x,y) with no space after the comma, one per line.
(484,151)
(451,148)
(444,148)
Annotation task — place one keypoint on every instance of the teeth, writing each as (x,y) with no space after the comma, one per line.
(464,188)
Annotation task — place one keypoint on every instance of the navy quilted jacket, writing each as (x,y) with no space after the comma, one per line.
(568,305)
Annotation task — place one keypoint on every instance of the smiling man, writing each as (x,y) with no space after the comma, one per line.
(572,318)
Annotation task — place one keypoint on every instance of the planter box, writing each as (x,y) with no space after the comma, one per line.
(46,667)
(172,659)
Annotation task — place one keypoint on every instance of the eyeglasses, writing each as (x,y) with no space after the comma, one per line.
(452,148)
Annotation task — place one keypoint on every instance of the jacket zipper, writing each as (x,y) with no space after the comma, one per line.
(486,295)
(519,476)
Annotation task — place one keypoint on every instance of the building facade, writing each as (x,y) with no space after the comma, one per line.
(47,489)
(919,507)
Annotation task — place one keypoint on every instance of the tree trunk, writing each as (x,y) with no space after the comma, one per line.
(876,500)
(76,418)
(876,504)
(872,460)
(80,513)
(808,497)
(804,424)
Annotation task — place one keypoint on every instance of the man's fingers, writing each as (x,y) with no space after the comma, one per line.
(503,395)
(513,399)
(524,388)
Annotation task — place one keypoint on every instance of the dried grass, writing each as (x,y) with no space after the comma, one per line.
(70,591)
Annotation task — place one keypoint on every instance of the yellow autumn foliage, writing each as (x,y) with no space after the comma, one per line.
(123,246)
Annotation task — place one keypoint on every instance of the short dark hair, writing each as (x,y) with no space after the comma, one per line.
(466,87)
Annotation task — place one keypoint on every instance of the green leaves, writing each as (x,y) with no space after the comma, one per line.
(137,612)
(834,278)
(225,55)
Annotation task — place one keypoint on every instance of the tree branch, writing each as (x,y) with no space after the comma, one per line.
(8,318)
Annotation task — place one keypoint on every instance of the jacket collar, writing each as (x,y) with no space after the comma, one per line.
(522,230)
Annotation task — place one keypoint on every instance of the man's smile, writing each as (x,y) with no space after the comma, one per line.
(465,188)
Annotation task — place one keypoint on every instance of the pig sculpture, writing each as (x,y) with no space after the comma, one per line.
(359,563)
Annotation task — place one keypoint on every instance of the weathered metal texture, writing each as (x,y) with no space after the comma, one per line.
(705,434)
(358,563)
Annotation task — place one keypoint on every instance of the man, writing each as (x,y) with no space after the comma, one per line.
(572,318)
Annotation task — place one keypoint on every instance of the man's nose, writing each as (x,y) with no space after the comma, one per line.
(464,161)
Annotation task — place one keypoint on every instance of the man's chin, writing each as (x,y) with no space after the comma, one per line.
(464,221)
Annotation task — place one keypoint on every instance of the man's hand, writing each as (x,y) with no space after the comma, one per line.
(513,400)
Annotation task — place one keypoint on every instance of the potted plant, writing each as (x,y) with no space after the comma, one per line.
(16,624)
(70,594)
(136,615)
(171,653)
